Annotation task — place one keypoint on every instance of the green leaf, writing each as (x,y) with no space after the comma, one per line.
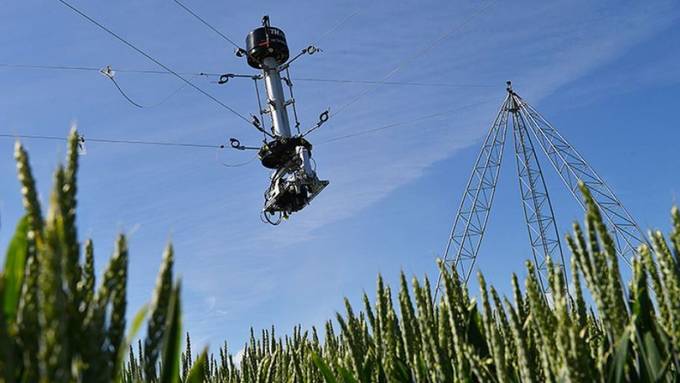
(172,339)
(621,355)
(323,367)
(137,323)
(132,331)
(160,302)
(346,375)
(196,373)
(15,262)
(6,343)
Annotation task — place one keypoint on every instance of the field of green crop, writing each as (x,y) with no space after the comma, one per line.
(57,324)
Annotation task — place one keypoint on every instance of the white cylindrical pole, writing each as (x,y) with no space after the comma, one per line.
(275,98)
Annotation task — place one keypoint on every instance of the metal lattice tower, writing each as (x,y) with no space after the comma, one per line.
(470,223)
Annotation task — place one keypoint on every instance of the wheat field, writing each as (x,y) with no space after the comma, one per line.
(58,324)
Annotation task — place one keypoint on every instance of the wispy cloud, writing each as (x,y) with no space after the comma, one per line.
(541,50)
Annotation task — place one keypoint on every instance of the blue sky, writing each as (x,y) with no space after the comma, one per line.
(604,73)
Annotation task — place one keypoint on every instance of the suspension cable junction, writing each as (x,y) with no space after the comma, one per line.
(138,50)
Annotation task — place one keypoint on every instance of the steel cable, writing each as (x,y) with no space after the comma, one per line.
(115,141)
(403,63)
(396,124)
(199,18)
(124,41)
(208,74)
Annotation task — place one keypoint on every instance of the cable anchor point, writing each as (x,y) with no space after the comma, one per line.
(82,150)
(108,72)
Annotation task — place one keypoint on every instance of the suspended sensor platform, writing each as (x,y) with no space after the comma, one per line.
(293,182)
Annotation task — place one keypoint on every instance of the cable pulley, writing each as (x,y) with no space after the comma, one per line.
(323,117)
(224,78)
(310,50)
(236,144)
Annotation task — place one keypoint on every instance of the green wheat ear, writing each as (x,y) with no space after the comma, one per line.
(28,189)
(159,314)
(61,328)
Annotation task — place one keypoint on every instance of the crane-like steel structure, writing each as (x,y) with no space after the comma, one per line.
(529,127)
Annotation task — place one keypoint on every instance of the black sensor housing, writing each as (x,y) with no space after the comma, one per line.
(266,42)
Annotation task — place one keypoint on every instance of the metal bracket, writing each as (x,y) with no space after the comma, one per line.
(224,78)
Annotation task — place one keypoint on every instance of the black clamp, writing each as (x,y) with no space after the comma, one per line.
(236,144)
(310,50)
(225,78)
(323,117)
(256,122)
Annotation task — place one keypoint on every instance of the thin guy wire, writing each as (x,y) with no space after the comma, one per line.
(123,93)
(292,97)
(315,44)
(135,142)
(407,61)
(259,108)
(131,101)
(192,13)
(151,71)
(396,124)
(113,141)
(90,69)
(235,165)
(336,27)
(373,82)
(51,67)
(169,96)
(88,18)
